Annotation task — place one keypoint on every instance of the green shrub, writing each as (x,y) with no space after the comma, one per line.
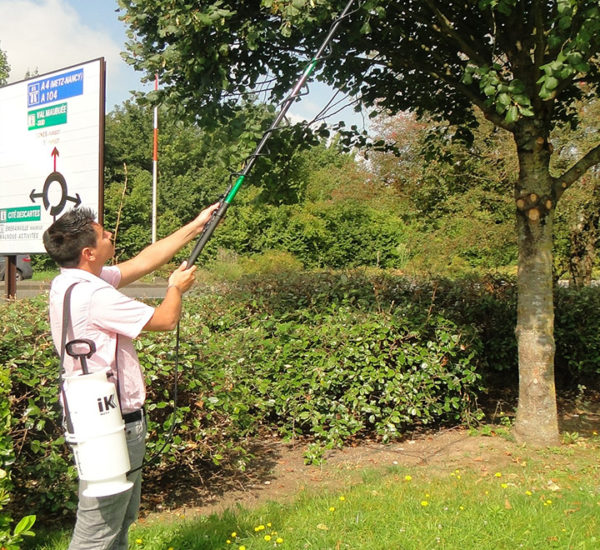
(9,539)
(341,234)
(328,356)
(41,458)
(577,335)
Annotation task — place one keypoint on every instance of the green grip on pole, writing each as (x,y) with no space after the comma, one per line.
(234,189)
(310,67)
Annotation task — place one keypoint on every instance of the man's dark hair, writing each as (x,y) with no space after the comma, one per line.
(69,235)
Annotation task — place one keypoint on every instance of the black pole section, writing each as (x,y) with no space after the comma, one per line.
(207,232)
(218,214)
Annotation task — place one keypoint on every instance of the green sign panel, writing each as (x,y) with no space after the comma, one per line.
(47,116)
(20,214)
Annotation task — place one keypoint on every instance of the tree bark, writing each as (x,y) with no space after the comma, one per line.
(536,422)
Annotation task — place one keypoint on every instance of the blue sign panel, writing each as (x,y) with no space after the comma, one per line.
(55,88)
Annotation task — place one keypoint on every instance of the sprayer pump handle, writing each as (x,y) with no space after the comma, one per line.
(87,346)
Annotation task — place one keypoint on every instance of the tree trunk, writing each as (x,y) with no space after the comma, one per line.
(536,422)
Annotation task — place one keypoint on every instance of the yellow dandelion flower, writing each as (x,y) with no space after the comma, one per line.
(259,528)
(242,547)
(267,538)
(407,478)
(269,524)
(342,498)
(457,476)
(528,493)
(233,535)
(461,507)
(228,541)
(424,503)
(138,541)
(504,485)
(498,474)
(279,540)
(548,502)
(332,508)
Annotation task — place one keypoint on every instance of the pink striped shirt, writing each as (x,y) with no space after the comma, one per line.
(104,315)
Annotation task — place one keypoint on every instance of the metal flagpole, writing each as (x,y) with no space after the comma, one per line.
(155,167)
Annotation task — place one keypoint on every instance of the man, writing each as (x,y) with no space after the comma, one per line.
(99,312)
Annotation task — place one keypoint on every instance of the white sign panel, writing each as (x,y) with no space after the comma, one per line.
(51,148)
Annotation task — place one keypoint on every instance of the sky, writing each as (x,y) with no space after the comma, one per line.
(48,35)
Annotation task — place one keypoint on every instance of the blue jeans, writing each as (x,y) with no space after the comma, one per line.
(103,523)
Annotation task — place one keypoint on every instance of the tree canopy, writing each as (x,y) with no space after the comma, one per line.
(522,63)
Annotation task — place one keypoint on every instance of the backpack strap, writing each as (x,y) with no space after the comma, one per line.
(65,327)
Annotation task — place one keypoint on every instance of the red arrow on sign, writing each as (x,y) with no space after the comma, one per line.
(55,154)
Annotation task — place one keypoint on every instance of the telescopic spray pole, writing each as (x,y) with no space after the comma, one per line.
(233,189)
(231,192)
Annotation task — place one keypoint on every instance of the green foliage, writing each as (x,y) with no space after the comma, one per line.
(314,203)
(342,233)
(196,166)
(456,205)
(9,540)
(4,68)
(578,212)
(310,359)
(12,541)
(324,356)
(577,346)
(429,67)
(41,458)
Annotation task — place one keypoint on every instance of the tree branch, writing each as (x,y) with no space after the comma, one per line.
(591,158)
(449,31)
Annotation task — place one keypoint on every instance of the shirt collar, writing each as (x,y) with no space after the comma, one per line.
(75,273)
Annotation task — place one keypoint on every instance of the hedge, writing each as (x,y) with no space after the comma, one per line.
(326,356)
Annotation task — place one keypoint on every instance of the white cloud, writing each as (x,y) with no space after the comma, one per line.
(47,35)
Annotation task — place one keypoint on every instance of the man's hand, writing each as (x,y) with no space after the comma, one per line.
(183,278)
(202,218)
(162,251)
(167,314)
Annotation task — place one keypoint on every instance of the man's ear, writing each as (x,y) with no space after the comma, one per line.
(88,254)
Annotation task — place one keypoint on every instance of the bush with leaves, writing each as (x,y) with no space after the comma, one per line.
(41,457)
(325,356)
(9,538)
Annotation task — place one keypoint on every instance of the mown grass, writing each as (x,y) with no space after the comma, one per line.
(543,499)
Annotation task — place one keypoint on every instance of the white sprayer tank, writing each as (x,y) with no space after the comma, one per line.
(98,437)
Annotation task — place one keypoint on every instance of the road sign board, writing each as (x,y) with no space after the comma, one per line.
(55,88)
(47,116)
(51,151)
